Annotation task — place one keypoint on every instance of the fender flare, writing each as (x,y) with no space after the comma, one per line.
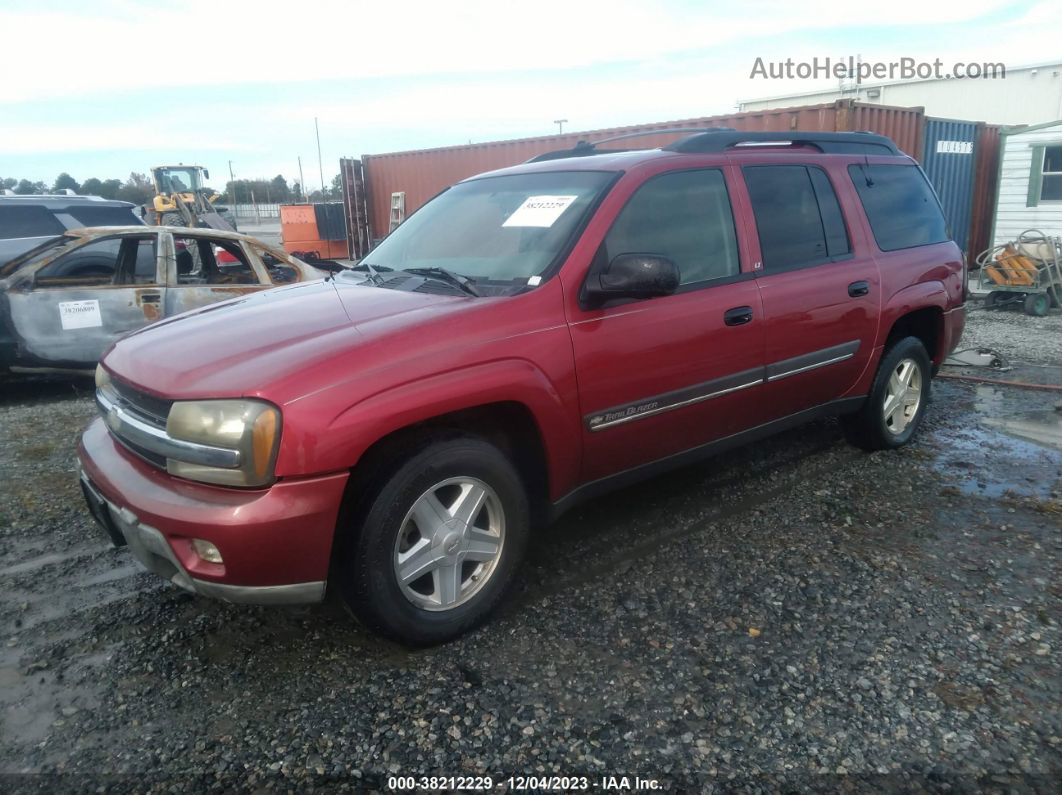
(364,423)
(924,295)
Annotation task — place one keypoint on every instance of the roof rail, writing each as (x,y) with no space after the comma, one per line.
(585,148)
(847,143)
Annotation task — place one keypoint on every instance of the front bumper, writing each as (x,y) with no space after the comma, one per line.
(275,543)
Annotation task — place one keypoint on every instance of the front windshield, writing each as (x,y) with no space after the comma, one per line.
(495,229)
(178,180)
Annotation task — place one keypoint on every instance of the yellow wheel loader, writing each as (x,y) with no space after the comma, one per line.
(183,199)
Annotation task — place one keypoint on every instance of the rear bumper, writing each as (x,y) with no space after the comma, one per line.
(275,543)
(954,324)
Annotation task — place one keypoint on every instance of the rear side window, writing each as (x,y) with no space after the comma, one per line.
(28,222)
(901,207)
(684,216)
(797,216)
(104,216)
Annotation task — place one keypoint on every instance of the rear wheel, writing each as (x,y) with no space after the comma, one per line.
(1037,304)
(897,401)
(437,543)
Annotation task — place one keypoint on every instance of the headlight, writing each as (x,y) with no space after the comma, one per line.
(248,426)
(103,378)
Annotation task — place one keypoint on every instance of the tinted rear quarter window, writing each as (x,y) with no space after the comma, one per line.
(104,216)
(28,222)
(902,209)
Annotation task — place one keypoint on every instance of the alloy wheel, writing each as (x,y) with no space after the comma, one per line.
(903,396)
(449,544)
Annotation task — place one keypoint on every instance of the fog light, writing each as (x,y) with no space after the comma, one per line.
(206,550)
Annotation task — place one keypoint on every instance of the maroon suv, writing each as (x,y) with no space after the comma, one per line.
(530,338)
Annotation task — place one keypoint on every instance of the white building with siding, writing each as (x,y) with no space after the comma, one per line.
(1027,95)
(1030,182)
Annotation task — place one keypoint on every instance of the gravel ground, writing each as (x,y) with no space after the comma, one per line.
(1019,337)
(797,616)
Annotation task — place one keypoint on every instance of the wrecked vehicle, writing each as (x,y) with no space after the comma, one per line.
(63,302)
(28,221)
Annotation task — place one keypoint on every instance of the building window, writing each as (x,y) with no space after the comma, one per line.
(1051,184)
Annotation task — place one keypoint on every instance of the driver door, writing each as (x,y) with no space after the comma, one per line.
(662,375)
(66,312)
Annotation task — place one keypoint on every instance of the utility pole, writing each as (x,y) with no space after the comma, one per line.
(560,125)
(320,164)
(302,181)
(232,181)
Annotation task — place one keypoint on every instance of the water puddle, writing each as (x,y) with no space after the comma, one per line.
(1013,444)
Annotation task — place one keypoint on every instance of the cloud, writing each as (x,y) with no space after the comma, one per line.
(116,47)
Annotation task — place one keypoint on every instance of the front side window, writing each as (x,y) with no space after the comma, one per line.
(798,217)
(279,271)
(902,209)
(496,231)
(684,216)
(204,261)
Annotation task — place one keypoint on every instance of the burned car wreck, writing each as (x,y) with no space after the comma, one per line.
(65,301)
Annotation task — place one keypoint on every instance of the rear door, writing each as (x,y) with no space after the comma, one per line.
(818,283)
(663,375)
(66,312)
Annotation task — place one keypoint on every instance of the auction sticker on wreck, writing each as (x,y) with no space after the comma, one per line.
(80,314)
(539,211)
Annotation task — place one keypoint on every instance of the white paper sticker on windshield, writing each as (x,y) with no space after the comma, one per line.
(80,314)
(539,211)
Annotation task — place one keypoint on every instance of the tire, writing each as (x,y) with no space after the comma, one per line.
(1037,304)
(387,534)
(992,299)
(870,428)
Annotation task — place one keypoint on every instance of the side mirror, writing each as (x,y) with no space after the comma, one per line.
(206,174)
(633,276)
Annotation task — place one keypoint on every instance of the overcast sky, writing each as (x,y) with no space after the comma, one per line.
(106,87)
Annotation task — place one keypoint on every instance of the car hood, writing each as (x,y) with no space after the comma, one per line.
(260,343)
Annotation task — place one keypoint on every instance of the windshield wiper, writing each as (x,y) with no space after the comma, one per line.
(442,274)
(373,270)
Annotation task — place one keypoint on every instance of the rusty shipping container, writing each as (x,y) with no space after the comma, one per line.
(422,173)
(985,188)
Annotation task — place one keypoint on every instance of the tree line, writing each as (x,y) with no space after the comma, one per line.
(138,189)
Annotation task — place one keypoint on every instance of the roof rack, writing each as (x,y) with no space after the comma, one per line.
(586,148)
(846,143)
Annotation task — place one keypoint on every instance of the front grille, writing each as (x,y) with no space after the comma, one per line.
(148,408)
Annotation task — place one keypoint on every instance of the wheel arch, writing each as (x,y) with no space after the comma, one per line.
(917,311)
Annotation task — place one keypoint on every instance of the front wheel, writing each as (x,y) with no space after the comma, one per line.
(438,544)
(897,401)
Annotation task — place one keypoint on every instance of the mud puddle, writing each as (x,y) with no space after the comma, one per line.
(1011,446)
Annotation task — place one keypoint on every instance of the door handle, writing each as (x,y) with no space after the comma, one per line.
(738,316)
(857,289)
(150,298)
